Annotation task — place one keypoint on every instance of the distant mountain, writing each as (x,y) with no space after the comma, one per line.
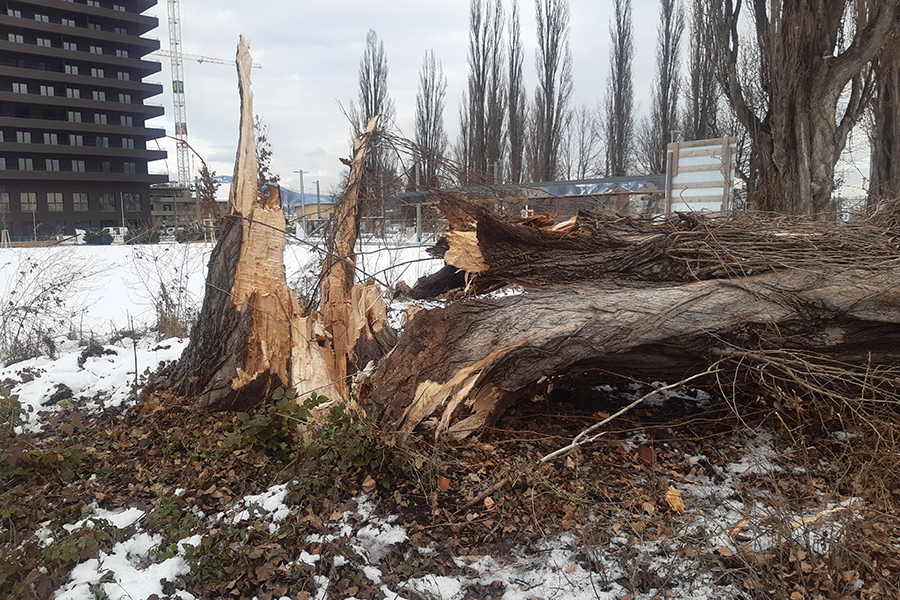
(291,198)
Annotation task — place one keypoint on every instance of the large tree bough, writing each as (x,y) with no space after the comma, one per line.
(689,301)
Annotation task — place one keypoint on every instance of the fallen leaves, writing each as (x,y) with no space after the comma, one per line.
(673,499)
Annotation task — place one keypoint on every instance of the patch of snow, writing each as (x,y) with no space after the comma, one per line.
(121,573)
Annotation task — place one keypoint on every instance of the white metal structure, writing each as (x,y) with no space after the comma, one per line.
(700,175)
(175,55)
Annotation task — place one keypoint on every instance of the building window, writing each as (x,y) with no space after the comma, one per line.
(47,90)
(100,119)
(68,22)
(107,202)
(55,201)
(41,18)
(73,93)
(4,202)
(126,121)
(128,143)
(124,76)
(78,166)
(93,3)
(2,164)
(26,164)
(101,141)
(76,139)
(23,137)
(118,7)
(70,46)
(94,26)
(74,116)
(125,98)
(122,53)
(122,30)
(96,50)
(105,167)
(72,69)
(16,38)
(98,95)
(44,43)
(133,202)
(130,167)
(51,164)
(14,13)
(28,200)
(57,227)
(80,201)
(96,72)
(51,139)
(20,88)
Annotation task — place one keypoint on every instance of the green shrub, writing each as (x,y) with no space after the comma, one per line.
(98,238)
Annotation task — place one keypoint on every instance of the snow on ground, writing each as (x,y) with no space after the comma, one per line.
(123,283)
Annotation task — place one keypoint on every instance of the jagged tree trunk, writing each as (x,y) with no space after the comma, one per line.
(241,345)
(252,335)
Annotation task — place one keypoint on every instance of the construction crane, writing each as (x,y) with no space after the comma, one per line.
(176,56)
(201,59)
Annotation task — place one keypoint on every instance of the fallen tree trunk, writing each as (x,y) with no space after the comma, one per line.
(636,299)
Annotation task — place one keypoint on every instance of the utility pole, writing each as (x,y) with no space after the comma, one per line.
(318,203)
(302,200)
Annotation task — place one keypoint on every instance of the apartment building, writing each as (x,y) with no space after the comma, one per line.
(73,139)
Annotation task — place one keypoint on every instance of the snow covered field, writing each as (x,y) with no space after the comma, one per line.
(112,300)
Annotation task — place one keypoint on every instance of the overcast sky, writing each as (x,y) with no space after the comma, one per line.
(310,52)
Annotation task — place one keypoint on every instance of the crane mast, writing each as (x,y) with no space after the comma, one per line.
(175,54)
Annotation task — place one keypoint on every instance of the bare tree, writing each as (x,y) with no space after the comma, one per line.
(207,186)
(484,110)
(666,83)
(430,136)
(702,92)
(517,100)
(619,104)
(581,145)
(374,99)
(553,61)
(815,83)
(884,166)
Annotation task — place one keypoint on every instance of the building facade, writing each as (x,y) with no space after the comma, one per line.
(73,140)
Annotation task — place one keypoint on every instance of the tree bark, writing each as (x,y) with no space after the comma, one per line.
(240,347)
(884,168)
(644,300)
(457,368)
(252,336)
(797,128)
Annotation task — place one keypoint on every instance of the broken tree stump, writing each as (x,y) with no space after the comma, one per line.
(252,336)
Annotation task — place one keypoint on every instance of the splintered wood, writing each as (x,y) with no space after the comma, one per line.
(252,336)
(647,300)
